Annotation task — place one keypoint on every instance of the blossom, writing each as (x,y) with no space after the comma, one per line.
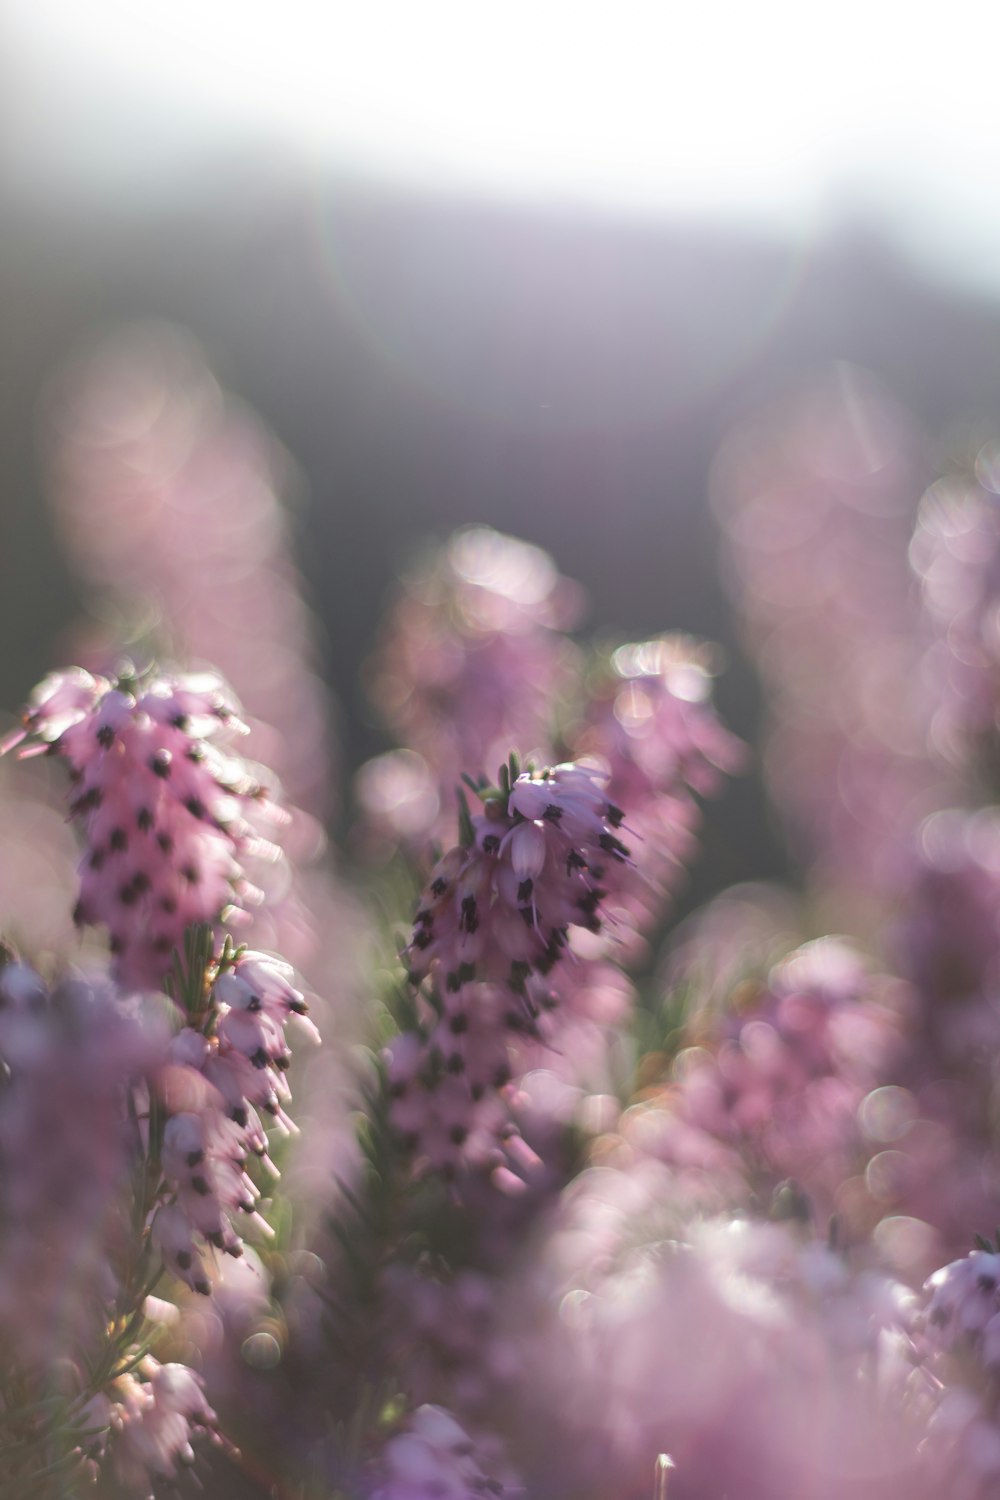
(650,724)
(68,1054)
(470,663)
(955,553)
(815,496)
(493,924)
(435,1459)
(155,1419)
(214,1089)
(168,812)
(769,1098)
(964,1305)
(766,1363)
(168,494)
(501,906)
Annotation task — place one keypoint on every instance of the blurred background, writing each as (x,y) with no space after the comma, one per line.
(523,265)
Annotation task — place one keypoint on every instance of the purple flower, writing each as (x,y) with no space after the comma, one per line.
(651,726)
(435,1459)
(471,662)
(770,1098)
(168,812)
(500,907)
(67,1058)
(494,922)
(215,1089)
(963,1308)
(955,552)
(815,496)
(155,1419)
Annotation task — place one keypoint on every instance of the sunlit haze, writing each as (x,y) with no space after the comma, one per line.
(779,112)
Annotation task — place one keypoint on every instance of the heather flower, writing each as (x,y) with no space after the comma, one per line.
(500,906)
(435,1459)
(958,1341)
(815,498)
(155,1419)
(955,553)
(471,662)
(944,1169)
(768,1365)
(216,1084)
(446,1337)
(651,726)
(963,1307)
(492,926)
(167,811)
(67,1057)
(168,493)
(770,1102)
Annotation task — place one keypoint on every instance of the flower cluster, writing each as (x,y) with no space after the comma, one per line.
(67,1056)
(153,1417)
(773,1101)
(493,923)
(651,725)
(958,1339)
(168,812)
(955,552)
(218,1079)
(766,1363)
(435,1458)
(499,906)
(815,496)
(167,492)
(601,1202)
(445,1336)
(471,662)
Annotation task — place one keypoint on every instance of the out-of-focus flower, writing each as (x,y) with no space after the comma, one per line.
(155,1418)
(445,1338)
(766,1364)
(435,1459)
(815,498)
(67,1057)
(471,664)
(769,1100)
(651,726)
(955,552)
(167,491)
(168,812)
(958,1340)
(943,1167)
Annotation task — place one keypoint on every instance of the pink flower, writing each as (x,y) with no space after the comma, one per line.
(435,1459)
(651,726)
(67,1057)
(501,907)
(471,662)
(214,1089)
(155,1421)
(168,812)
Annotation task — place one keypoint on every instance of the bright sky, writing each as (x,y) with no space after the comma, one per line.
(776,111)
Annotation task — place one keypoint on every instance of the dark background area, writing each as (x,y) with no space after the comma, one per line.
(428,360)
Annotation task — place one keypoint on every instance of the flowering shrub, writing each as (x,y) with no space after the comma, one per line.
(582,1206)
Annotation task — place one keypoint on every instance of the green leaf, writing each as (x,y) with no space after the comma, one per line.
(466,832)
